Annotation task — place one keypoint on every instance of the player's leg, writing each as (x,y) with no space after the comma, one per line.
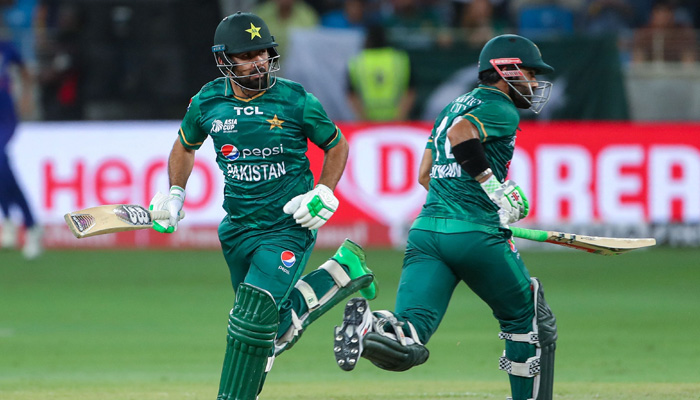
(378,336)
(314,294)
(236,252)
(270,262)
(395,340)
(9,229)
(427,283)
(251,335)
(275,262)
(14,194)
(11,194)
(513,296)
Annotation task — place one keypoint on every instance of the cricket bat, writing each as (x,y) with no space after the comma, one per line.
(113,218)
(593,244)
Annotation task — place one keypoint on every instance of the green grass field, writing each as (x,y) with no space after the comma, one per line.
(150,325)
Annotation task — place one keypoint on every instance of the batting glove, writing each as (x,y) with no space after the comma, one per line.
(312,209)
(509,197)
(171,203)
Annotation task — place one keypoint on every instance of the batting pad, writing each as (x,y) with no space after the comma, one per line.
(252,328)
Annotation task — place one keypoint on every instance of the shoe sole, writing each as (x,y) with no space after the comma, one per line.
(347,343)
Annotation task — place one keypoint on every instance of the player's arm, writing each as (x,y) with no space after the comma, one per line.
(334,161)
(180,164)
(426,165)
(313,208)
(469,153)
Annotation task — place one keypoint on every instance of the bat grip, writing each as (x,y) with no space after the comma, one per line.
(530,234)
(164,214)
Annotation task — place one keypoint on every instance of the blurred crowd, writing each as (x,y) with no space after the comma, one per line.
(51,34)
(414,23)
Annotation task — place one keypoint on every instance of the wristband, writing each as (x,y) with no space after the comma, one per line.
(483,174)
(177,191)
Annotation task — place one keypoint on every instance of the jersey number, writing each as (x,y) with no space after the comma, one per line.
(448,147)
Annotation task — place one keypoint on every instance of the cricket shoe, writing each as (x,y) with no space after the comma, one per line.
(357,322)
(352,256)
(8,238)
(33,238)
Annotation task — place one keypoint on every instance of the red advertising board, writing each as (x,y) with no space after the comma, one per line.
(584,173)
(572,172)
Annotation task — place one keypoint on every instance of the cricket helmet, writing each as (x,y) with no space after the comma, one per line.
(507,54)
(241,33)
(513,46)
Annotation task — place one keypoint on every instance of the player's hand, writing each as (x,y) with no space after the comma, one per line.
(312,209)
(509,197)
(171,203)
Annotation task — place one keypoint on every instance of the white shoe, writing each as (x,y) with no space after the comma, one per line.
(33,246)
(8,239)
(357,322)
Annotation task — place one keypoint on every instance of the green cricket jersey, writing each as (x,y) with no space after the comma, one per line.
(260,145)
(456,201)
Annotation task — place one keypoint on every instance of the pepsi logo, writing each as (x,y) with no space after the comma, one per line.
(230,152)
(288,258)
(512,246)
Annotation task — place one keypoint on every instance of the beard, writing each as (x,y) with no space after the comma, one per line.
(254,82)
(515,94)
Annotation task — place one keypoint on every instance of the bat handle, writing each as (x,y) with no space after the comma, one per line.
(530,234)
(164,214)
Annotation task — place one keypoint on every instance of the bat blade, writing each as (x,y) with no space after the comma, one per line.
(111,218)
(592,244)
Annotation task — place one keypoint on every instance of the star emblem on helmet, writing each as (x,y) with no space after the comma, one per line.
(275,122)
(254,31)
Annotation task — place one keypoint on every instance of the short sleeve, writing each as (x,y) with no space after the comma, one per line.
(493,120)
(191,133)
(317,126)
(431,144)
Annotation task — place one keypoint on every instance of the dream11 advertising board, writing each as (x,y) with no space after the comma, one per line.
(614,179)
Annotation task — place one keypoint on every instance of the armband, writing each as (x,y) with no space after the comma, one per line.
(470,155)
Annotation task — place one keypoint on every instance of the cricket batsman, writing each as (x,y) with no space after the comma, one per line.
(462,235)
(260,126)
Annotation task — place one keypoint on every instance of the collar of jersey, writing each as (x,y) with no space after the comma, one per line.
(232,94)
(494,89)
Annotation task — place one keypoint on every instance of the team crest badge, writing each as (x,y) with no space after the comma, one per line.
(288,258)
(275,122)
(230,152)
(254,31)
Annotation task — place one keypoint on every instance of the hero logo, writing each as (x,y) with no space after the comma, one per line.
(288,259)
(231,152)
(227,126)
